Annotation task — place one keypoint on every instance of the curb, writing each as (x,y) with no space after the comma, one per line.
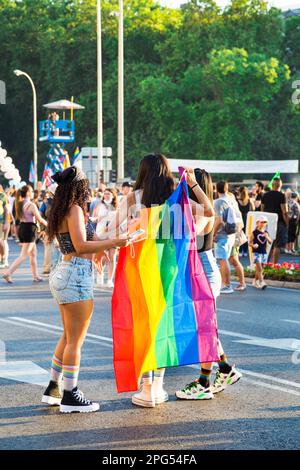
(271,283)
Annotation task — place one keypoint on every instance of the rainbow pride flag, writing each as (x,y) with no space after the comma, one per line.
(163,310)
(31,172)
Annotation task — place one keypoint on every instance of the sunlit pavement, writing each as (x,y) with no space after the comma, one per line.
(260,331)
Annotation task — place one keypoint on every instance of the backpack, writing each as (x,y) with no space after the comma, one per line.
(230,219)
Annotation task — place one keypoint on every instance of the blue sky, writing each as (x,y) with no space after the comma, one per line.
(285,4)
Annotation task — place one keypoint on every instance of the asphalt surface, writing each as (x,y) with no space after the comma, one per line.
(259,331)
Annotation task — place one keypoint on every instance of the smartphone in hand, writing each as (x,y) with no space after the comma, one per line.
(137,234)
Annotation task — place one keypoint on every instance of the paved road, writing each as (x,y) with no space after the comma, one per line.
(259,331)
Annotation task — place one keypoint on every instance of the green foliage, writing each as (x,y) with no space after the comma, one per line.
(200,82)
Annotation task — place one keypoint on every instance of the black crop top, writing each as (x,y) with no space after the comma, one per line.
(65,243)
(207,242)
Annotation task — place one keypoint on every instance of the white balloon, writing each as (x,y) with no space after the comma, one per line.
(9,175)
(8,160)
(23,183)
(7,167)
(3,152)
(2,160)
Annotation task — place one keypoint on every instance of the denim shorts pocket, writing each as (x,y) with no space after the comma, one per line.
(60,278)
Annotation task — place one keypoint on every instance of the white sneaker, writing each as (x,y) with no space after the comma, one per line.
(145,397)
(110,284)
(256,284)
(227,290)
(100,279)
(194,391)
(160,395)
(263,285)
(223,380)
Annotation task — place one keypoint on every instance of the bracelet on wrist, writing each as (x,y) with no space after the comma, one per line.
(194,186)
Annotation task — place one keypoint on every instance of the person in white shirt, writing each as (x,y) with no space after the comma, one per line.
(102,213)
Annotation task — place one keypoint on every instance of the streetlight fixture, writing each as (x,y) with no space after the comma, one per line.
(19,73)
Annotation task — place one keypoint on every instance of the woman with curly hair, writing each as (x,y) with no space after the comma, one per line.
(28,214)
(71,284)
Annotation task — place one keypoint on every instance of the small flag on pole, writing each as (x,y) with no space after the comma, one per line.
(77,155)
(31,172)
(277,175)
(66,162)
(47,176)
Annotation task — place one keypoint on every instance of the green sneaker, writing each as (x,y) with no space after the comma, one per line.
(194,391)
(224,380)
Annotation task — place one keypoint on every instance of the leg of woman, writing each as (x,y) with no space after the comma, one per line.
(33,261)
(259,272)
(77,317)
(112,264)
(25,250)
(161,396)
(53,393)
(5,249)
(62,342)
(234,260)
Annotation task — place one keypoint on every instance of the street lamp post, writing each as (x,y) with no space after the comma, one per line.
(19,73)
(121,93)
(99,92)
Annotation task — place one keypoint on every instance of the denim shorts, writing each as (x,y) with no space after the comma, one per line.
(260,258)
(212,272)
(224,246)
(72,281)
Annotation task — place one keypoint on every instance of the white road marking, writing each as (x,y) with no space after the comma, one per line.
(236,312)
(54,327)
(265,384)
(287,344)
(22,371)
(292,321)
(270,377)
(48,330)
(274,387)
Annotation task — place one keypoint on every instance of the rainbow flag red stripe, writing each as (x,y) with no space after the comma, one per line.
(163,310)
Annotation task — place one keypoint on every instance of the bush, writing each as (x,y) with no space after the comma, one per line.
(279,272)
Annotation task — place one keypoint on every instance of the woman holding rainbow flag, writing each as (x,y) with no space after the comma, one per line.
(200,389)
(163,309)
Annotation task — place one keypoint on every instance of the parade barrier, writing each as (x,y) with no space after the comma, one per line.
(251,167)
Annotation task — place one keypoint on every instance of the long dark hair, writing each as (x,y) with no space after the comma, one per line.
(243,194)
(69,192)
(205,182)
(155,179)
(21,195)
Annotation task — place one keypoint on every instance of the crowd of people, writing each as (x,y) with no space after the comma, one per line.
(25,210)
(74,224)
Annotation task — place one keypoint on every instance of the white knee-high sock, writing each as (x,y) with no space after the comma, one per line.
(56,370)
(70,374)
